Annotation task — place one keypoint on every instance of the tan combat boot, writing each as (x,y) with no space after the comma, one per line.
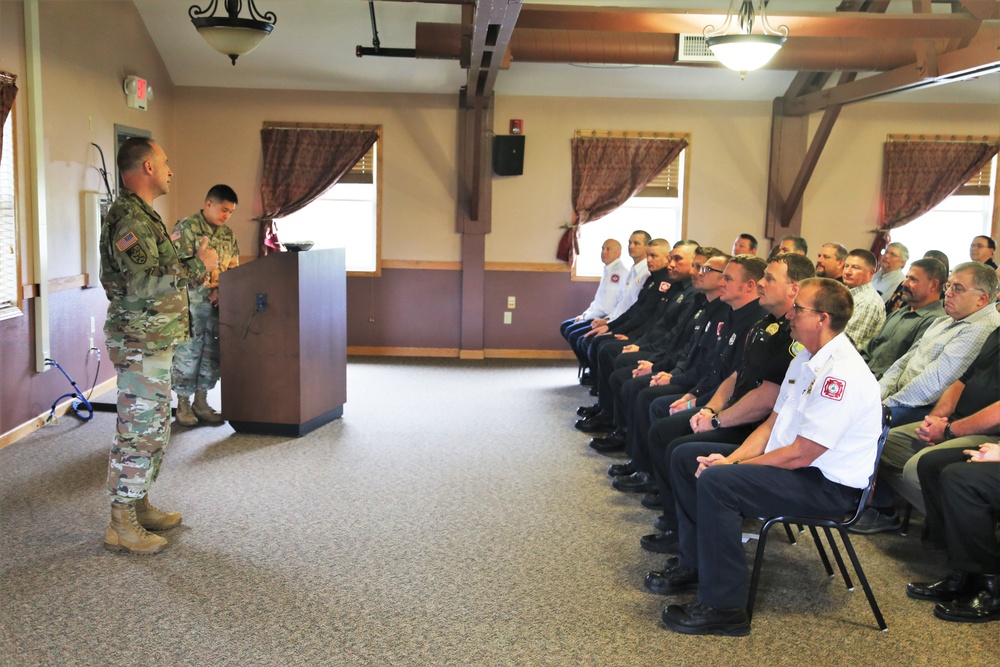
(184,415)
(203,411)
(151,518)
(125,534)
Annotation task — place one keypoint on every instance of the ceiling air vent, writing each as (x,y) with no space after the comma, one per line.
(692,49)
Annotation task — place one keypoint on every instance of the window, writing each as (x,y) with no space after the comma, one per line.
(348,216)
(9,306)
(965,214)
(658,209)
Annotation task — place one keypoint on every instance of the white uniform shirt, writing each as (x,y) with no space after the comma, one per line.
(633,285)
(831,398)
(608,291)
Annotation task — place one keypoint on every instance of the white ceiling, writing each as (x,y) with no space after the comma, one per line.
(313,46)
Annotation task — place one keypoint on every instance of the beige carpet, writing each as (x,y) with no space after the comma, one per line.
(452,517)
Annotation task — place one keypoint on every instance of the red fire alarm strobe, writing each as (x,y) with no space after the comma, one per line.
(516,126)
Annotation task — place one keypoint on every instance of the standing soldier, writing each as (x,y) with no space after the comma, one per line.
(146,284)
(196,362)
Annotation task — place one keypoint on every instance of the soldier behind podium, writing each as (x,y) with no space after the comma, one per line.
(146,284)
(196,362)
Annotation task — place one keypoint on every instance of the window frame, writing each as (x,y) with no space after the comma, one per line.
(11,152)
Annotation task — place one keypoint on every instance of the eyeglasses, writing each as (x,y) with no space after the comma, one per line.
(709,269)
(798,309)
(955,288)
(979,245)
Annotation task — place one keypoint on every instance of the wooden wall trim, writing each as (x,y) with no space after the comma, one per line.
(32,425)
(453,353)
(32,290)
(419,264)
(537,267)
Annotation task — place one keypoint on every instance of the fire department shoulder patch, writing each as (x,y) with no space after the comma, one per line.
(833,388)
(615,277)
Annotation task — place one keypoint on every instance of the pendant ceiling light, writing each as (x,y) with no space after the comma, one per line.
(744,51)
(229,34)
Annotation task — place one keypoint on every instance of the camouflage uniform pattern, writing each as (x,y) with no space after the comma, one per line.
(196,362)
(146,285)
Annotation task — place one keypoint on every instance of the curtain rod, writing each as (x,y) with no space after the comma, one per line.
(954,138)
(629,134)
(278,125)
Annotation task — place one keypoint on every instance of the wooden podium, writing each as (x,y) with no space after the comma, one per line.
(283,340)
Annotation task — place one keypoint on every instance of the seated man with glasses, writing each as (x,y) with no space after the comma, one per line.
(911,386)
(812,456)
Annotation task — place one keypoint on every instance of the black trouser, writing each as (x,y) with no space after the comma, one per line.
(964,499)
(711,508)
(641,419)
(573,331)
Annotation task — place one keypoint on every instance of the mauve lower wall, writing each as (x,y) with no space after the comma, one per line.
(419,308)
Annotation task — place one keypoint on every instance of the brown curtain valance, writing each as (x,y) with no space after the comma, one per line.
(607,171)
(300,164)
(919,175)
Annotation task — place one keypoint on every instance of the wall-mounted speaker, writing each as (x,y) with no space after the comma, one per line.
(508,155)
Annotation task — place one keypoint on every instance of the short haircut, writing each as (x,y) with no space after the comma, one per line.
(220,193)
(941,257)
(904,252)
(934,269)
(864,255)
(840,248)
(797,241)
(751,239)
(133,153)
(983,277)
(833,298)
(708,252)
(646,238)
(687,242)
(798,266)
(989,241)
(753,266)
(658,242)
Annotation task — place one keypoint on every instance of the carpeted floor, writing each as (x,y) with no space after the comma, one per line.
(452,517)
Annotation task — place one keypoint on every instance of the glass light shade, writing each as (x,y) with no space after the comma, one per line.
(745,53)
(233,41)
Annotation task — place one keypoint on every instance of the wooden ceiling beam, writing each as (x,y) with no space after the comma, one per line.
(981,57)
(800,24)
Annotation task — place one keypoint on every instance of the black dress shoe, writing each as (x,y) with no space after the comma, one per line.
(637,482)
(619,469)
(695,618)
(674,580)
(956,585)
(612,442)
(664,525)
(593,390)
(652,501)
(982,607)
(596,424)
(660,543)
(588,410)
(587,379)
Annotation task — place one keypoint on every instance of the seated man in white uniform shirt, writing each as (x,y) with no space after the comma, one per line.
(812,456)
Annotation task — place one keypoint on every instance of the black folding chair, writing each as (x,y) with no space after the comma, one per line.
(841,525)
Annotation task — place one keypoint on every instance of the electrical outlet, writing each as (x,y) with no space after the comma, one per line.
(511,302)
(91,339)
(93,327)
(507,317)
(261,303)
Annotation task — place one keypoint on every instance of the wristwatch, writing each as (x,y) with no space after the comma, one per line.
(948,433)
(716,423)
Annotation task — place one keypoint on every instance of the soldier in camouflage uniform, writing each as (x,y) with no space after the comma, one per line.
(146,285)
(196,362)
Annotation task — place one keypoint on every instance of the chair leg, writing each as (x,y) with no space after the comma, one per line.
(822,551)
(861,577)
(758,560)
(840,561)
(788,531)
(904,528)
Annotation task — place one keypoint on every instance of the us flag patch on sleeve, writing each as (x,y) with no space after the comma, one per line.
(126,242)
(834,388)
(175,236)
